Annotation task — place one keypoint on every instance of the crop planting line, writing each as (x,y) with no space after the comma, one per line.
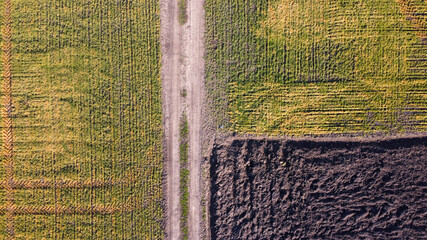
(7,117)
(40,184)
(50,210)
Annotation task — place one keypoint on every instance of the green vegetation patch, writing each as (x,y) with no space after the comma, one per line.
(184,175)
(182,11)
(87,107)
(316,66)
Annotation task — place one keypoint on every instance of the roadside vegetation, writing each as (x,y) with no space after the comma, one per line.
(182,11)
(184,175)
(316,66)
(87,120)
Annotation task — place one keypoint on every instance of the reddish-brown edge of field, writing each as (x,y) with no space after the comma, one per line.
(328,188)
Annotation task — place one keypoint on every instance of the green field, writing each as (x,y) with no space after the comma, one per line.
(87,120)
(303,67)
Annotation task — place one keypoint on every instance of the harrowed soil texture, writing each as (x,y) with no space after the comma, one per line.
(319,189)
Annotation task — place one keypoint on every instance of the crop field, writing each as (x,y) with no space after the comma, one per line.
(82,120)
(303,67)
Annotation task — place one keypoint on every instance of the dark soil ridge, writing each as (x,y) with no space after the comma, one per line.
(345,188)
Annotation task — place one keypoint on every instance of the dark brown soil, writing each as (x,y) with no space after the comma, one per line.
(310,189)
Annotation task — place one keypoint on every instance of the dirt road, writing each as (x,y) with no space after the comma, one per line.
(195,81)
(182,68)
(171,80)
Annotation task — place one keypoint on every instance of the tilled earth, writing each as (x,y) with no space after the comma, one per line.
(319,189)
